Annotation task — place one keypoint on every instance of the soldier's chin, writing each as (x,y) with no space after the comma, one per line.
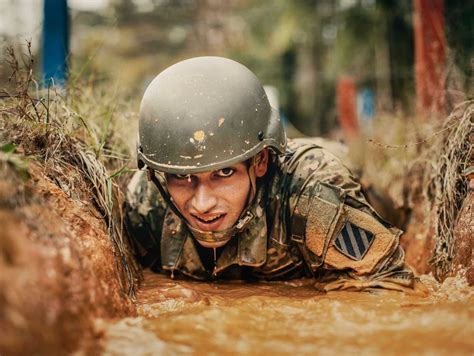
(216,244)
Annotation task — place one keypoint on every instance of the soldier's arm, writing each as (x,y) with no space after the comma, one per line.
(343,240)
(364,252)
(144,214)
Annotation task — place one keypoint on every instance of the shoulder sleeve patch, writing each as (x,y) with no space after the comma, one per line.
(353,241)
(363,243)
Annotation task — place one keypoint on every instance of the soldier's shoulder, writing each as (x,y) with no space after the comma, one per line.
(330,216)
(141,194)
(136,188)
(305,164)
(337,148)
(305,157)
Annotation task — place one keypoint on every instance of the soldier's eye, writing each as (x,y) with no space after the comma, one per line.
(225,172)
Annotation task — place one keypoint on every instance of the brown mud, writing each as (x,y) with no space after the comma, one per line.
(420,238)
(464,236)
(56,267)
(181,317)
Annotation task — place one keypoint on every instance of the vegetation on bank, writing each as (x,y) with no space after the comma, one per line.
(418,167)
(81,128)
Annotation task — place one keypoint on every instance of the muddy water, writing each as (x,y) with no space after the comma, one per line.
(179,317)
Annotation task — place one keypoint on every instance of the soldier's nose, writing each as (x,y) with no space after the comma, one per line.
(203,200)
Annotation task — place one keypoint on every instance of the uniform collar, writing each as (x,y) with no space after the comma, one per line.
(178,252)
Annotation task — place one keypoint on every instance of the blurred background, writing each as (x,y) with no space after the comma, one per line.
(322,61)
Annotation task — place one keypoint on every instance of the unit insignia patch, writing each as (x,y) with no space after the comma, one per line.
(353,241)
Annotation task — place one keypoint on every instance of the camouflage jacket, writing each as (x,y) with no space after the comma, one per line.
(313,220)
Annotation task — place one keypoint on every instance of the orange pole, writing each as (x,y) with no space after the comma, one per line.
(430,57)
(346,107)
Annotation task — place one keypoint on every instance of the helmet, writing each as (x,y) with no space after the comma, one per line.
(204,114)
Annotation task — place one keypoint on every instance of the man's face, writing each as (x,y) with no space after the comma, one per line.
(211,201)
(214,201)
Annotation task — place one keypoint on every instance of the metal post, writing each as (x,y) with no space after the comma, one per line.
(347,107)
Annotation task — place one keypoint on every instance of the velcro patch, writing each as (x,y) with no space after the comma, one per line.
(353,241)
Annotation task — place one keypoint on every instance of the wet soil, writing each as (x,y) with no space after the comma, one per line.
(56,268)
(177,317)
(418,241)
(464,238)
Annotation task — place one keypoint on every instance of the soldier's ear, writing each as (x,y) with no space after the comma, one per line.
(261,163)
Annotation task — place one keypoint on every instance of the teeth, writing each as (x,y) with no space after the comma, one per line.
(209,219)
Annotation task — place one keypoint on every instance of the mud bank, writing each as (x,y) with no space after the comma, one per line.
(439,237)
(56,266)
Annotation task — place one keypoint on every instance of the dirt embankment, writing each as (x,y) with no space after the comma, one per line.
(64,259)
(439,238)
(56,266)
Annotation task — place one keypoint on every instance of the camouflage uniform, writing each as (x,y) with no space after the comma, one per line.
(311,219)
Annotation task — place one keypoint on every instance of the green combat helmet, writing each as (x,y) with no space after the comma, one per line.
(204,114)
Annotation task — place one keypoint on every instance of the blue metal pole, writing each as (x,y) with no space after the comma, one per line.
(366,99)
(55,42)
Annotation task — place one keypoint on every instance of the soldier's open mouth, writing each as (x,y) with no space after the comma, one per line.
(209,222)
(208,219)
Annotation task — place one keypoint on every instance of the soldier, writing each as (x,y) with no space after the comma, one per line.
(222,194)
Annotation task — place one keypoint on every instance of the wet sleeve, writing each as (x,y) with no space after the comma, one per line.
(343,240)
(365,253)
(144,214)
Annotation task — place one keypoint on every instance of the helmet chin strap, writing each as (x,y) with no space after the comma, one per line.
(247,215)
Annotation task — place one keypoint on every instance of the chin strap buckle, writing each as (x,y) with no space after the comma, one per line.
(244,220)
